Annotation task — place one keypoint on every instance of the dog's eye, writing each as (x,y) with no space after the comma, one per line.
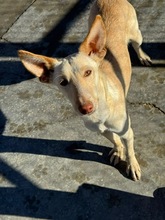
(87,73)
(64,82)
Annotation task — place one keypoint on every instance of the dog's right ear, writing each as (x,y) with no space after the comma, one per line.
(94,42)
(40,66)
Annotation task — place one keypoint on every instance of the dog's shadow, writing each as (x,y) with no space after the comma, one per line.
(76,150)
(90,152)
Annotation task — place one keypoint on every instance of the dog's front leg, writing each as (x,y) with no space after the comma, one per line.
(118,152)
(133,167)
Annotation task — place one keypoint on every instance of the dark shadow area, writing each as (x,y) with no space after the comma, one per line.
(156,51)
(88,202)
(2,123)
(77,150)
(63,26)
(12,72)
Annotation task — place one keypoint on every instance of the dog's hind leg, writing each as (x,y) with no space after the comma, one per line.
(135,37)
(136,42)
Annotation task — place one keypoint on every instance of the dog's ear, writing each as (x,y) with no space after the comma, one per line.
(40,66)
(94,42)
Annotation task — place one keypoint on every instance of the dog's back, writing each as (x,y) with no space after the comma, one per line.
(120,20)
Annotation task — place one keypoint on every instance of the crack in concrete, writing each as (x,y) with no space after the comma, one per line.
(2,37)
(152,105)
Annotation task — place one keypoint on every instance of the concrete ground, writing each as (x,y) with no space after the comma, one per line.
(51,166)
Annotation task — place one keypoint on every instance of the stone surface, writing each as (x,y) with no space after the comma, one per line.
(51,166)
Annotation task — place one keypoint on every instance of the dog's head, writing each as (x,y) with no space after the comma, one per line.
(76,75)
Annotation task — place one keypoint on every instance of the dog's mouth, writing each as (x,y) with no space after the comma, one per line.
(87,114)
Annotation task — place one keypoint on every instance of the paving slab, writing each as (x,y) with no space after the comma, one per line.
(51,166)
(11,12)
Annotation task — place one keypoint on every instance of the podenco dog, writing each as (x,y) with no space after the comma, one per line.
(96,79)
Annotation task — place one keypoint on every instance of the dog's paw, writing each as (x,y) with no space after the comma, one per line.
(145,59)
(116,156)
(133,170)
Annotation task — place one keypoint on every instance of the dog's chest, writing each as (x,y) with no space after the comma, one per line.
(96,121)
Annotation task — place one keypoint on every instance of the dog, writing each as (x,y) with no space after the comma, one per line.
(96,79)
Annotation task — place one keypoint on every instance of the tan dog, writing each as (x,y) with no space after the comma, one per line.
(97,78)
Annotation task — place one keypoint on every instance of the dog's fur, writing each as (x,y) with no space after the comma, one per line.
(97,78)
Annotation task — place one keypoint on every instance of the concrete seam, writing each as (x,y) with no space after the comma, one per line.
(17,19)
(147,104)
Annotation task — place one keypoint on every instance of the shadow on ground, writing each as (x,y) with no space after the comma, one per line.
(13,72)
(88,202)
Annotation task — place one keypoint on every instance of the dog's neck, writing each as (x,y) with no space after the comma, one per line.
(109,81)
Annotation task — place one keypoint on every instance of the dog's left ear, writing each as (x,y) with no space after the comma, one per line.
(95,41)
(38,65)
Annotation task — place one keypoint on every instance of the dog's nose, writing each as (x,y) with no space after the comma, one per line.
(86,108)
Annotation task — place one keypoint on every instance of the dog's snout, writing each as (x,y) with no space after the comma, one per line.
(86,108)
